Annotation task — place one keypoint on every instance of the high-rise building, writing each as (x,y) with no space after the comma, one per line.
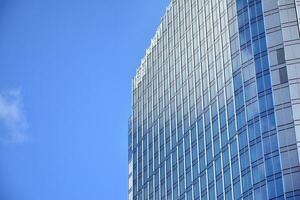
(216,103)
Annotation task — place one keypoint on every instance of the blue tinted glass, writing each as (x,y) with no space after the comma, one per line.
(225,157)
(261,28)
(222,119)
(272,123)
(203,181)
(245,36)
(200,126)
(268,145)
(267,81)
(181,186)
(271,189)
(258,8)
(241,4)
(180,149)
(269,101)
(224,137)
(269,167)
(188,179)
(279,186)
(258,67)
(195,171)
(262,104)
(243,140)
(209,154)
(219,186)
(215,127)
(258,173)
(276,164)
(208,135)
(254,29)
(246,53)
(256,48)
(252,12)
(260,193)
(201,144)
(246,181)
(260,84)
(179,132)
(230,109)
(241,119)
(244,160)
(237,190)
(227,178)
(196,189)
(232,130)
(239,100)
(265,62)
(187,142)
(237,81)
(263,44)
(233,148)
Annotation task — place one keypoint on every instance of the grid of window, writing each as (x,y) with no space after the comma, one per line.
(203,123)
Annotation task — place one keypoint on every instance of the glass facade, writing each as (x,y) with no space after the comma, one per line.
(203,123)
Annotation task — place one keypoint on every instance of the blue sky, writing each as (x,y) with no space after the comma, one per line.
(65,82)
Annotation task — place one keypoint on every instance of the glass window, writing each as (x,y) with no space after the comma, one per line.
(187,160)
(262,104)
(196,190)
(246,53)
(237,80)
(188,179)
(212,192)
(252,110)
(187,142)
(256,152)
(239,100)
(267,81)
(246,181)
(241,4)
(241,119)
(280,56)
(252,11)
(227,178)
(258,173)
(235,169)
(244,160)
(195,171)
(261,28)
(276,164)
(232,130)
(262,44)
(258,67)
(265,62)
(243,142)
(219,186)
(279,186)
(260,193)
(245,36)
(283,75)
(237,190)
(203,182)
(271,189)
(256,48)
(254,29)
(269,167)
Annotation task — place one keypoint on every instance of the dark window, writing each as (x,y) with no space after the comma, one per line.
(283,75)
(280,56)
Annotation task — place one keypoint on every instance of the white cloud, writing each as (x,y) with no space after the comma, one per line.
(13,123)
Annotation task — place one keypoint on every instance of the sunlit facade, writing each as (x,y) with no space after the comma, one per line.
(216,103)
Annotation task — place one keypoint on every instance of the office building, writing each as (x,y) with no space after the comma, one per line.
(216,103)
